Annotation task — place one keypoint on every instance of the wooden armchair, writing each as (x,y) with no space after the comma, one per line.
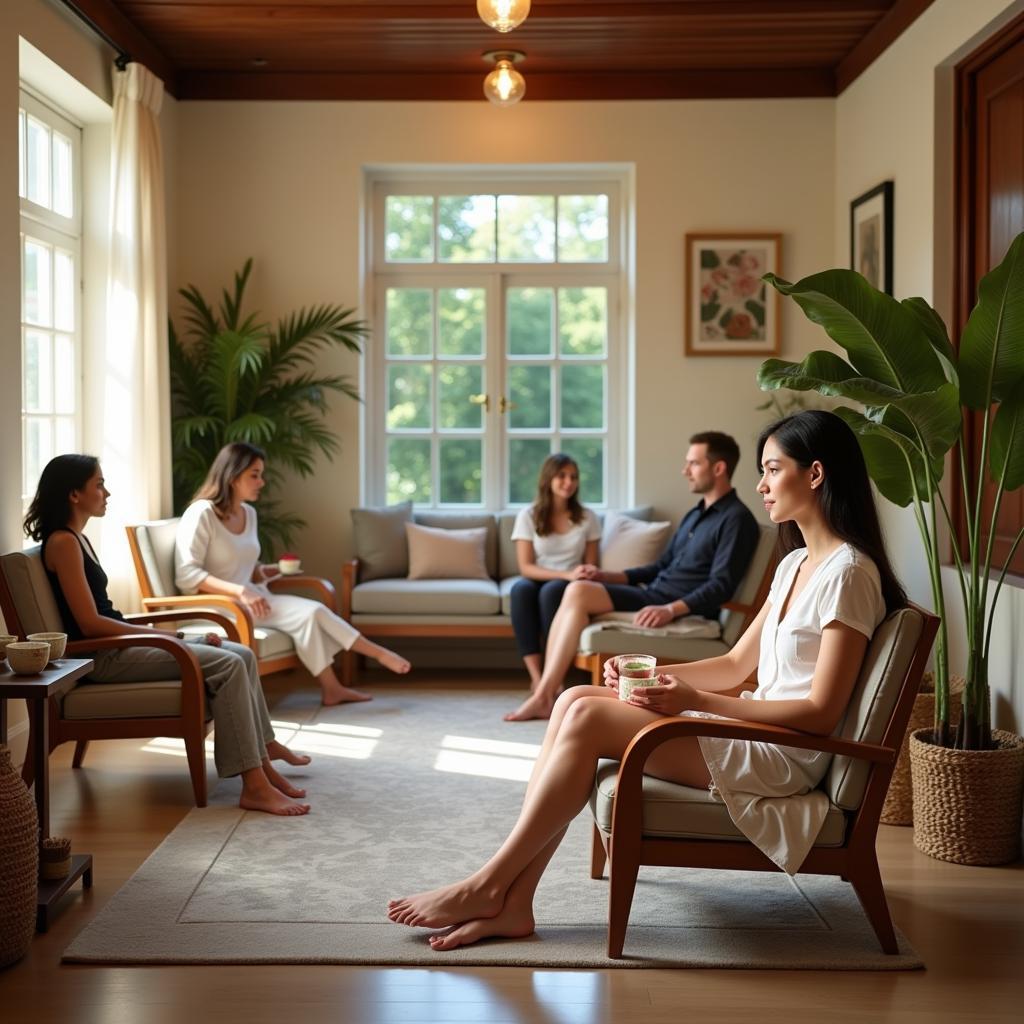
(641,820)
(103,711)
(152,547)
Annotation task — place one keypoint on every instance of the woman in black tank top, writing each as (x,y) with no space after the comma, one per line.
(71,492)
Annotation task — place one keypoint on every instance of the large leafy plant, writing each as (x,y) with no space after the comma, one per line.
(236,378)
(915,390)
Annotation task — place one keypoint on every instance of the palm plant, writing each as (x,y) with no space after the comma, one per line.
(235,378)
(915,389)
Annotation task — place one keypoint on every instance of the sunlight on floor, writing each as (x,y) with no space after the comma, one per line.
(173,745)
(493,759)
(352,741)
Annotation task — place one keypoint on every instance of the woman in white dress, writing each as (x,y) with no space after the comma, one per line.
(217,552)
(556,537)
(831,591)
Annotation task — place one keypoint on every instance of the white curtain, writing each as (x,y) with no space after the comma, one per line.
(135,450)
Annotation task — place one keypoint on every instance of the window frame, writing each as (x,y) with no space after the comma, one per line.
(496,278)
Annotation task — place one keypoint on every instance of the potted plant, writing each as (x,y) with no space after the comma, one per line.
(238,379)
(915,390)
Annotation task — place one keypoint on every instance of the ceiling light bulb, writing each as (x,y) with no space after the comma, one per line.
(504,15)
(504,85)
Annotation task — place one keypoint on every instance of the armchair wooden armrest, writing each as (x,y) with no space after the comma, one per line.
(628,808)
(242,617)
(349,578)
(225,623)
(324,589)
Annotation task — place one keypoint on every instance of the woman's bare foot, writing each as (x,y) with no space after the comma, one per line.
(537,705)
(279,752)
(449,905)
(394,662)
(280,783)
(272,802)
(510,923)
(338,694)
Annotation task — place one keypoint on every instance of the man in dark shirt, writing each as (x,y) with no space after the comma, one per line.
(697,573)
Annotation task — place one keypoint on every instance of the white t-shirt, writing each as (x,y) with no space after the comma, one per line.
(206,547)
(558,551)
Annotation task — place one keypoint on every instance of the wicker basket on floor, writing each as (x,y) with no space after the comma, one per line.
(967,803)
(898,808)
(19,862)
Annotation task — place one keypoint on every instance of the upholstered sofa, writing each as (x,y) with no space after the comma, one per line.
(382,602)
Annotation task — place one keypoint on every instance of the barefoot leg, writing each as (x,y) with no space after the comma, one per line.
(277,751)
(332,691)
(534,664)
(280,783)
(259,795)
(389,659)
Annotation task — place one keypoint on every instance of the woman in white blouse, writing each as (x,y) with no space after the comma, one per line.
(217,552)
(831,590)
(555,537)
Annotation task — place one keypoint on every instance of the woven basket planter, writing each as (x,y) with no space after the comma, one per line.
(19,862)
(898,808)
(967,803)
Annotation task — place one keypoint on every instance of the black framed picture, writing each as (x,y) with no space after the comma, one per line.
(871,236)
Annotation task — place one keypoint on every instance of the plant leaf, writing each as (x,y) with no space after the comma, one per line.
(935,331)
(1008,439)
(992,344)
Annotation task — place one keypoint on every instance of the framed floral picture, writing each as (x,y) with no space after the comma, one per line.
(871,236)
(730,311)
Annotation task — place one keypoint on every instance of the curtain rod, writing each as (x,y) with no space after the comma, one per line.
(123,57)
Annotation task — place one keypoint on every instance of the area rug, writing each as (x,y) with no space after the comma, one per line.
(415,789)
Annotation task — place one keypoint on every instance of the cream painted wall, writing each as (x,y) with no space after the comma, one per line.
(895,122)
(281,182)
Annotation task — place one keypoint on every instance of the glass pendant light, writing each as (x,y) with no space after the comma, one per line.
(504,15)
(504,86)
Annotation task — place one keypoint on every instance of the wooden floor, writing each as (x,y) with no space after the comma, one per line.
(967,923)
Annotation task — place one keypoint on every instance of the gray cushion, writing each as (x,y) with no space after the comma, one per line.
(885,664)
(159,699)
(466,521)
(598,639)
(30,591)
(505,589)
(270,643)
(378,536)
(682,812)
(473,622)
(732,622)
(156,545)
(426,597)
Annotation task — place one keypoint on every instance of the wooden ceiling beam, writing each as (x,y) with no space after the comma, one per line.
(697,84)
(110,23)
(902,15)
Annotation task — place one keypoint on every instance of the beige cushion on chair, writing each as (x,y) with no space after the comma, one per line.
(156,545)
(746,592)
(149,699)
(31,591)
(270,643)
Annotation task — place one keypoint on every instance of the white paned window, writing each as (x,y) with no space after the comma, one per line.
(48,186)
(497,338)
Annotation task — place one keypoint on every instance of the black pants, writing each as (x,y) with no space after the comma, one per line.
(534,604)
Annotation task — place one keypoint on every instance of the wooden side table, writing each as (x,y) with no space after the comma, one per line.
(56,679)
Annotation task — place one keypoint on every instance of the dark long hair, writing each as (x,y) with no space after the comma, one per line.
(846,499)
(51,506)
(231,461)
(543,507)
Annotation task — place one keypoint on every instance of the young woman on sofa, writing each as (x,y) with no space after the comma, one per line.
(556,537)
(71,491)
(217,552)
(830,592)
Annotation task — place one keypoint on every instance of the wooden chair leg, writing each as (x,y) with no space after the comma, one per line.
(867,883)
(80,749)
(348,668)
(195,749)
(624,865)
(598,854)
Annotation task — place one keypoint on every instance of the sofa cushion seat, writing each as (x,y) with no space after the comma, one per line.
(682,812)
(270,643)
(703,637)
(426,597)
(150,699)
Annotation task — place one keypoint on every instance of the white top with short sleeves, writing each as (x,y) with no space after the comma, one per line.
(558,551)
(771,792)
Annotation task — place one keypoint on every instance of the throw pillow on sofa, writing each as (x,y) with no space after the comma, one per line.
(437,554)
(378,536)
(627,542)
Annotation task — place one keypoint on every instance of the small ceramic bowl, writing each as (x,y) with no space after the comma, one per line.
(29,657)
(57,642)
(289,566)
(5,639)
